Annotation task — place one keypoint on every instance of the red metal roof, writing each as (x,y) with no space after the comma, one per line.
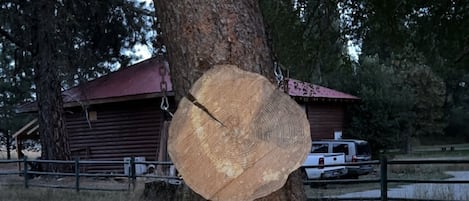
(305,89)
(143,79)
(138,79)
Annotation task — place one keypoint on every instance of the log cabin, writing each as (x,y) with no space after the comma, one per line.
(118,115)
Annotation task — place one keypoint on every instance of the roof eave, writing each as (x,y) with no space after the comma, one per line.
(326,99)
(32,107)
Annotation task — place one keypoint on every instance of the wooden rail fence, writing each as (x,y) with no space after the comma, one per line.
(131,177)
(383,180)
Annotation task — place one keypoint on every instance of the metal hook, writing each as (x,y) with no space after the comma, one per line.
(278,73)
(165,105)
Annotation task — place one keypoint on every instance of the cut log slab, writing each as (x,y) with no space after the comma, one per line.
(235,136)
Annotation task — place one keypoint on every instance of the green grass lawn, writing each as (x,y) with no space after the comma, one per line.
(460,154)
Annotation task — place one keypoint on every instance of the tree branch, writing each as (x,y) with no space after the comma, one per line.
(12,39)
(462,55)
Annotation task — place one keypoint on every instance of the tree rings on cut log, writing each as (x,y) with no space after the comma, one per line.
(236,136)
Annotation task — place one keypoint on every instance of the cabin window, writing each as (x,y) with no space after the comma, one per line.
(92,115)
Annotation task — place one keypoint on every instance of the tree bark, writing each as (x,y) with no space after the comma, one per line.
(200,34)
(8,143)
(54,140)
(7,140)
(165,191)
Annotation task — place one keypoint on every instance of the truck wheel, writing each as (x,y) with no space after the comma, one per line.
(351,176)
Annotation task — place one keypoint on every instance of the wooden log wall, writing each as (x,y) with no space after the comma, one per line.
(325,118)
(119,130)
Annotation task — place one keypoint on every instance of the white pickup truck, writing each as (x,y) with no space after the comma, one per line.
(321,159)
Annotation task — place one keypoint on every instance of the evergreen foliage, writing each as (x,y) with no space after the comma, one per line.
(412,69)
(306,38)
(60,44)
(411,73)
(15,87)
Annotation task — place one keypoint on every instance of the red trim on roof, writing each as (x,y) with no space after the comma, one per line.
(141,78)
(304,89)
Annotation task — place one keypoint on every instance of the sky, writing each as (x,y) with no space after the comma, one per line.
(143,51)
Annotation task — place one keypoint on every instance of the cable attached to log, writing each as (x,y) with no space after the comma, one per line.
(278,74)
(164,88)
(164,69)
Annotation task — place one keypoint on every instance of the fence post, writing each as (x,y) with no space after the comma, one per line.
(384,178)
(132,171)
(129,172)
(77,174)
(25,171)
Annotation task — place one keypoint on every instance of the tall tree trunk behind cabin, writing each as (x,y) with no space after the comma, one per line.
(8,143)
(54,140)
(408,141)
(201,34)
(7,137)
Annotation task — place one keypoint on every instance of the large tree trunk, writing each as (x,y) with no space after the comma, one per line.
(201,34)
(52,131)
(8,143)
(7,137)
